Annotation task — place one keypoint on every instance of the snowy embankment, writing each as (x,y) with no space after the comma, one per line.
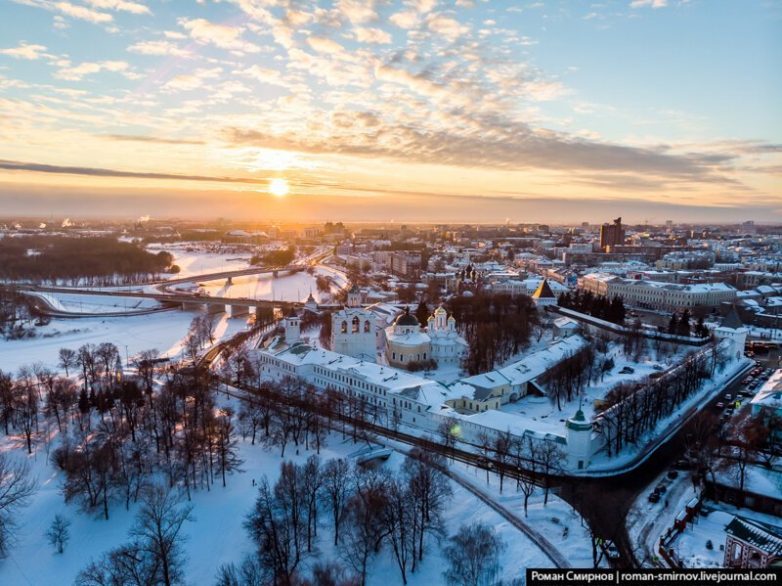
(97,304)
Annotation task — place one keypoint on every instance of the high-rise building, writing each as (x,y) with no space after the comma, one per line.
(612,234)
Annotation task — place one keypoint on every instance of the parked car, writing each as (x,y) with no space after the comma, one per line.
(660,489)
(672,474)
(720,405)
(727,397)
(654,497)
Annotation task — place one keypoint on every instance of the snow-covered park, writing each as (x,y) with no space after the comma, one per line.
(217,536)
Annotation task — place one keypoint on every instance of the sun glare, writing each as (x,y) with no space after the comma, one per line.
(278,187)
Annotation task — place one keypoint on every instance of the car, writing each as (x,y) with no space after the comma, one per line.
(660,489)
(729,412)
(627,370)
(672,474)
(727,397)
(682,464)
(720,405)
(654,497)
(746,394)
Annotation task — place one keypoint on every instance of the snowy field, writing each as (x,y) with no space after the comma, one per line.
(216,535)
(162,331)
(194,259)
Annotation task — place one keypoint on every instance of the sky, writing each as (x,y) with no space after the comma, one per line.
(419,110)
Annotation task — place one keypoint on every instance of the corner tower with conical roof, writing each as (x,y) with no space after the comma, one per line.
(579,441)
(734,330)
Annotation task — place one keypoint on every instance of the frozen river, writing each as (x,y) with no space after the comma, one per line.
(296,287)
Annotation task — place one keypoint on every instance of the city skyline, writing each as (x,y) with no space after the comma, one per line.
(412,111)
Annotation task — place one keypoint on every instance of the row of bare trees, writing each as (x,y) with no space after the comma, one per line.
(632,409)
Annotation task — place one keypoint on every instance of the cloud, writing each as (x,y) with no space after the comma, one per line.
(79,72)
(372,35)
(324,45)
(193,80)
(445,26)
(494,143)
(98,172)
(68,9)
(158,48)
(120,5)
(648,3)
(406,19)
(264,75)
(25,50)
(357,11)
(220,35)
(151,139)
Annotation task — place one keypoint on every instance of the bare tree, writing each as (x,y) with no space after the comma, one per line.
(473,555)
(430,491)
(59,533)
(158,531)
(16,489)
(271,525)
(67,360)
(364,529)
(399,518)
(337,490)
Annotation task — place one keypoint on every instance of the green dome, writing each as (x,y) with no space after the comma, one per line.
(578,422)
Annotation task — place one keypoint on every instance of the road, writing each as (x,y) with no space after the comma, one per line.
(605,502)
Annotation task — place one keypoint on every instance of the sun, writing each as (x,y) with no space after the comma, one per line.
(278,187)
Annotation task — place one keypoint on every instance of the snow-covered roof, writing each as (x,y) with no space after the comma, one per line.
(770,394)
(565,323)
(502,422)
(763,536)
(395,381)
(406,339)
(529,367)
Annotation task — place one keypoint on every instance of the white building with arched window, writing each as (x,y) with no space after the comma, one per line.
(354,330)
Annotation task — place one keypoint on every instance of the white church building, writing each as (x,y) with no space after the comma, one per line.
(407,341)
(354,330)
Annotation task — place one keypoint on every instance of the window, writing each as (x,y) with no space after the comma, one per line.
(367,327)
(355,323)
(344,327)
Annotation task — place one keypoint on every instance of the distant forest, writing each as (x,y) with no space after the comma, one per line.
(101,260)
